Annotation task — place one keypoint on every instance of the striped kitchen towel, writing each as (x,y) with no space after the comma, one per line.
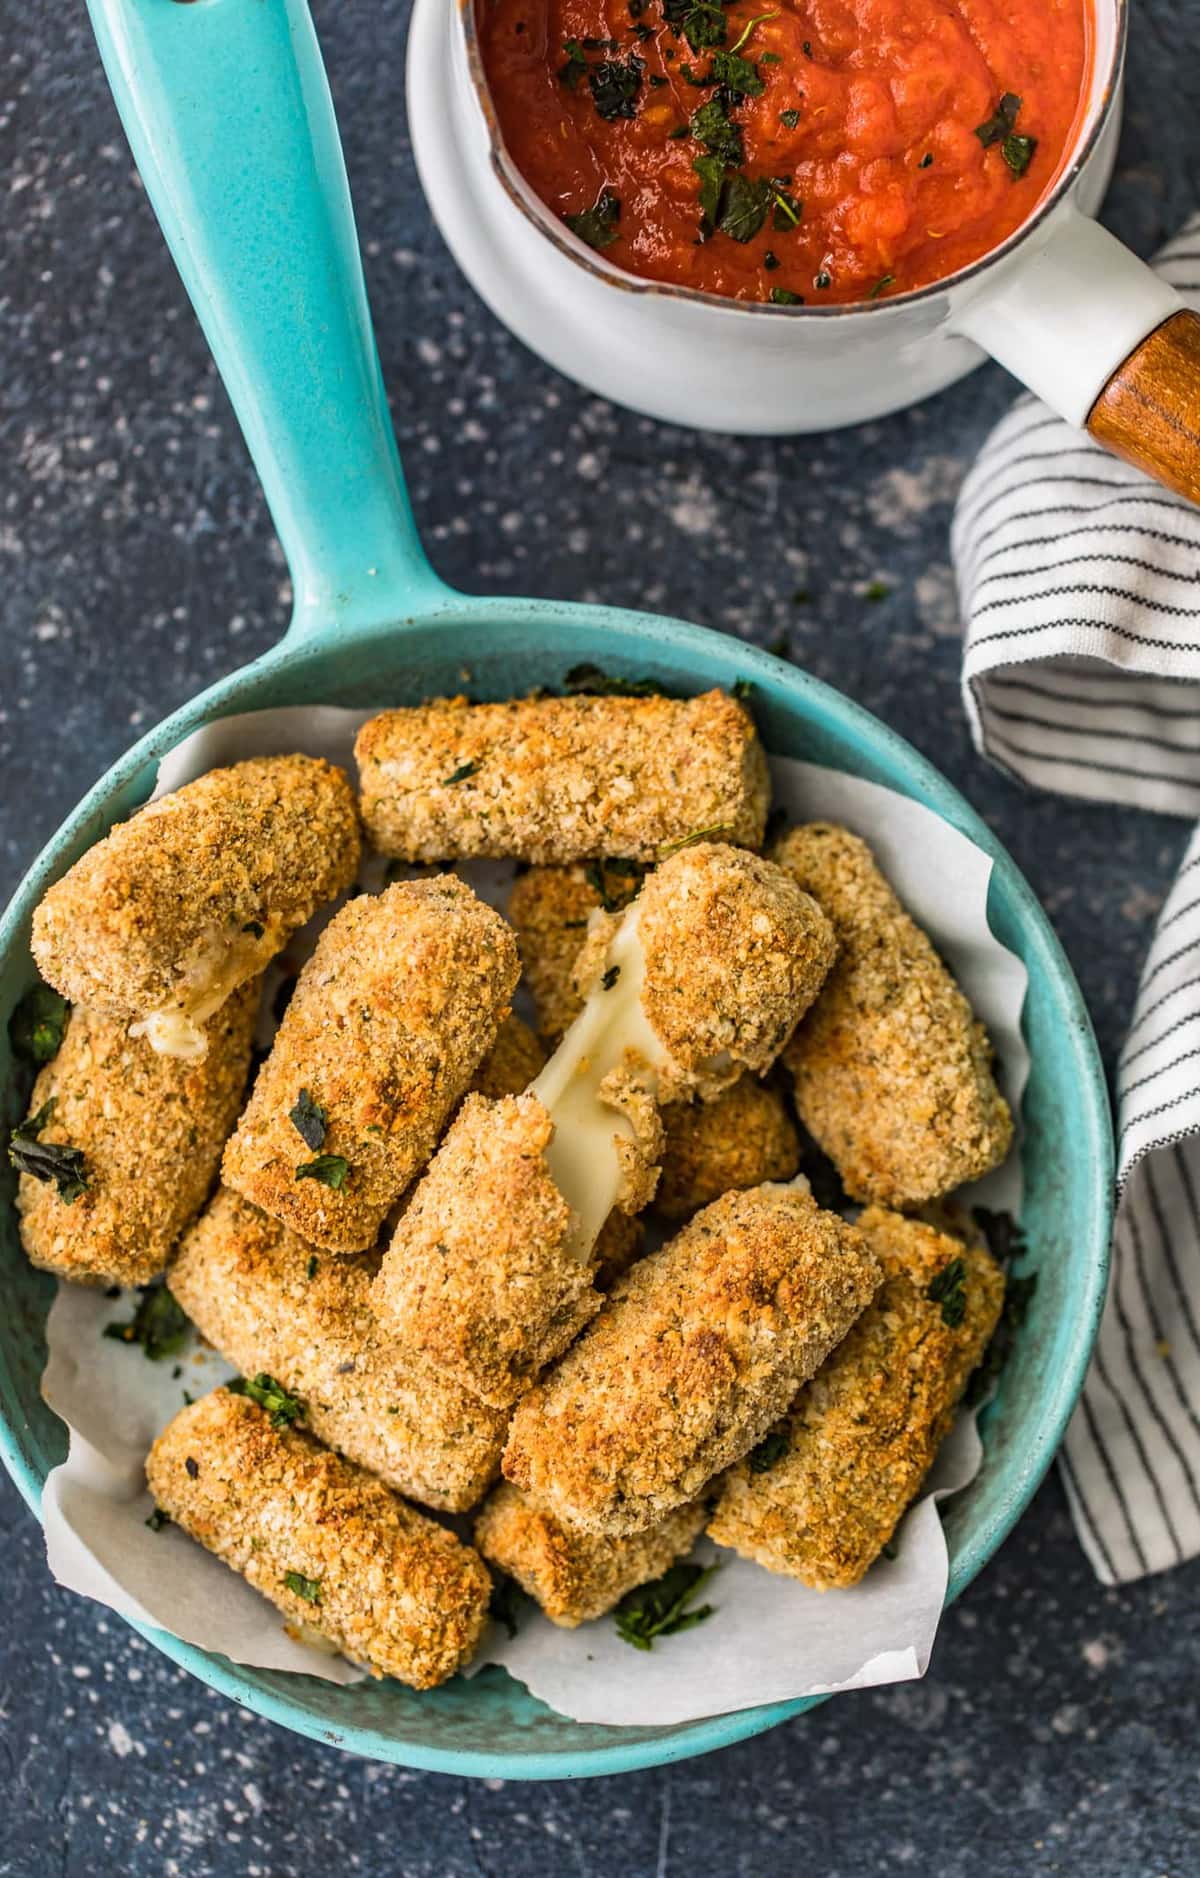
(1080,588)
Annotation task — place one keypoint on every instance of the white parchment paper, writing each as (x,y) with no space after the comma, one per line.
(769,1639)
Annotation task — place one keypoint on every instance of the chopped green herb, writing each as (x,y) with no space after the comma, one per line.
(37,1025)
(610,977)
(313,1266)
(158,1324)
(890,1551)
(689,841)
(310,1121)
(664,1608)
(710,126)
(789,118)
(191,1468)
(1018,153)
(598,225)
(770,1449)
(187,1399)
(307,1588)
(737,75)
(770,58)
(949,1289)
(881,286)
(771,261)
(806,48)
(596,874)
(157,1520)
(47,1160)
(283,1408)
(615,86)
(575,67)
(743,206)
(589,681)
(711,172)
(783,296)
(462,772)
(330,1169)
(742,688)
(926,161)
(680,130)
(824,279)
(703,26)
(1001,122)
(255,928)
(788,209)
(876,590)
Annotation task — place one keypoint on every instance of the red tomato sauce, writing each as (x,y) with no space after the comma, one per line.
(848,149)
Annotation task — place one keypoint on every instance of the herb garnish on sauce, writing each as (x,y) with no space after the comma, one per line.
(662,1609)
(597,226)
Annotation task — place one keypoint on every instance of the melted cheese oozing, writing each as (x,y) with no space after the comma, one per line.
(582,1157)
(178,1029)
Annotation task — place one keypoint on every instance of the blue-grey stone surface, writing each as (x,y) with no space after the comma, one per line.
(1056,1731)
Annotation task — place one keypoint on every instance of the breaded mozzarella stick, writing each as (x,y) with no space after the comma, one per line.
(893,1075)
(557,779)
(699,1349)
(269,1303)
(332,1548)
(158,923)
(549,909)
(150,1129)
(490,1272)
(742,1138)
(388,1024)
(576,1575)
(859,1439)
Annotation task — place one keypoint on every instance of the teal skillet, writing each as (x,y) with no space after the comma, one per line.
(227,109)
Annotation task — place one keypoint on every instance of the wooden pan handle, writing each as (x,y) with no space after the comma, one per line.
(1149,411)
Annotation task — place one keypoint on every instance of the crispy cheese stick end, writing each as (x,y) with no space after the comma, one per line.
(269,1303)
(481,1279)
(159,922)
(388,1024)
(575,1575)
(699,1349)
(332,1548)
(560,779)
(741,1138)
(892,1073)
(860,1437)
(150,1129)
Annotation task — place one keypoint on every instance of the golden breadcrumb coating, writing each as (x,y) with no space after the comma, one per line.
(734,955)
(620,1244)
(741,1138)
(151,1129)
(198,891)
(629,1091)
(388,1585)
(269,1303)
(860,1437)
(560,779)
(548,910)
(893,1076)
(699,1349)
(513,1061)
(389,1021)
(480,1279)
(576,1575)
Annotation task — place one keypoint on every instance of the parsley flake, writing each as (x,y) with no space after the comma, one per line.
(664,1608)
(1001,122)
(790,118)
(710,126)
(255,928)
(598,225)
(743,206)
(949,1289)
(610,978)
(881,286)
(157,1520)
(824,279)
(331,1170)
(689,841)
(310,1121)
(1018,153)
(158,1323)
(926,161)
(283,1408)
(313,1266)
(47,1160)
(615,85)
(783,296)
(589,681)
(575,67)
(737,75)
(462,772)
(38,1024)
(307,1588)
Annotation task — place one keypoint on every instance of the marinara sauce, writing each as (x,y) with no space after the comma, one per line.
(791,150)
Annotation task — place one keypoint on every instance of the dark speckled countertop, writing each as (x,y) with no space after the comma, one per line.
(1056,1730)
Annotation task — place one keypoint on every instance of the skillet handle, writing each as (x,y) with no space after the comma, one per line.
(228,113)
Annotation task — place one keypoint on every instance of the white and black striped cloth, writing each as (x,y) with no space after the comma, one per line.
(1080,587)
